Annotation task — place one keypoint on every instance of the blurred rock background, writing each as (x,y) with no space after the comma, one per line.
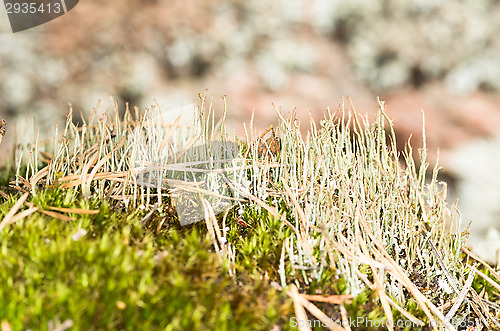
(439,56)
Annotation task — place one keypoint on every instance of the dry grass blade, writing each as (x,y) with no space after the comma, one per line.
(86,167)
(345,317)
(76,180)
(96,169)
(21,215)
(188,167)
(75,210)
(53,214)
(225,253)
(188,146)
(190,187)
(477,258)
(4,195)
(46,157)
(13,211)
(463,294)
(69,178)
(258,139)
(378,277)
(39,175)
(23,181)
(326,321)
(484,310)
(120,144)
(151,212)
(333,299)
(298,209)
(209,220)
(169,135)
(300,312)
(481,315)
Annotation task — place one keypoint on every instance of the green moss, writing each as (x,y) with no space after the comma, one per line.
(258,241)
(122,276)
